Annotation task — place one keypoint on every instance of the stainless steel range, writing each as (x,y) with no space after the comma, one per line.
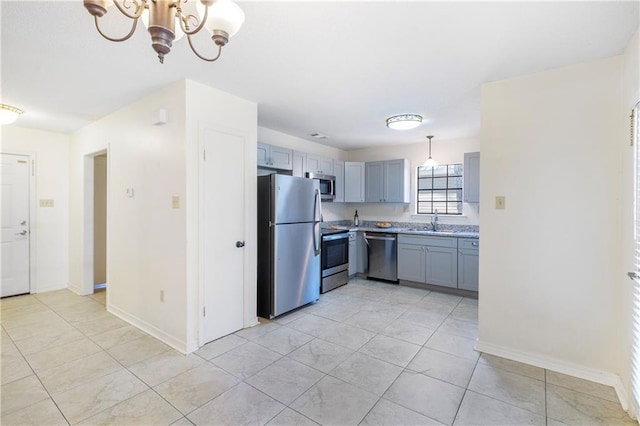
(334,259)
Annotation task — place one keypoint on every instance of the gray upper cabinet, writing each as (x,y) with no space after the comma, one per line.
(275,157)
(338,172)
(472,177)
(354,182)
(317,164)
(387,181)
(468,256)
(298,163)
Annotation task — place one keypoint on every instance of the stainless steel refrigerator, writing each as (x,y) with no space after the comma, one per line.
(289,215)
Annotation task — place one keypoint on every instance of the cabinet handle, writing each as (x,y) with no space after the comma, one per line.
(474,244)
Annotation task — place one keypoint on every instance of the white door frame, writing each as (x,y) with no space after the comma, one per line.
(87,219)
(33,279)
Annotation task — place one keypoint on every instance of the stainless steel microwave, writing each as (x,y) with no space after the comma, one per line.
(327,185)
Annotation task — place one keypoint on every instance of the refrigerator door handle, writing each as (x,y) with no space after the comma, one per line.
(317,208)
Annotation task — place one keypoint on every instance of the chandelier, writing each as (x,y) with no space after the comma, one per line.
(166,19)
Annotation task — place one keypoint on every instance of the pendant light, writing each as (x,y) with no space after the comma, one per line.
(430,163)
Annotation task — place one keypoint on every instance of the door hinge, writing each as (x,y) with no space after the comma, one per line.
(204,311)
(33,167)
(204,155)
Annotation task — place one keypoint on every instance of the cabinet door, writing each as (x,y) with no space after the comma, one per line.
(394,182)
(353,182)
(468,269)
(411,262)
(374,175)
(326,166)
(281,158)
(353,254)
(338,172)
(361,251)
(442,266)
(263,154)
(471,180)
(313,164)
(298,163)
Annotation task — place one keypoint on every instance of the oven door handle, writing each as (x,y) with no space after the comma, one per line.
(335,237)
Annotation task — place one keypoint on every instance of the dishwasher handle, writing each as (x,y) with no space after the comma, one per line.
(370,237)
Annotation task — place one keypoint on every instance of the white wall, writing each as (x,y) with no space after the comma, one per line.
(630,95)
(443,151)
(208,105)
(549,262)
(146,237)
(52,182)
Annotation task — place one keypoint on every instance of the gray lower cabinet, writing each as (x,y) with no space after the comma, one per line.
(353,254)
(468,256)
(361,253)
(430,260)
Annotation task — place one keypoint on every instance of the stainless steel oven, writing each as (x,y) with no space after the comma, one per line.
(334,259)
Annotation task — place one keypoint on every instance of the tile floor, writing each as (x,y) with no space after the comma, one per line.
(367,353)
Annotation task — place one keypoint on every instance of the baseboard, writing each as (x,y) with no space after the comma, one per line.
(54,288)
(175,343)
(575,370)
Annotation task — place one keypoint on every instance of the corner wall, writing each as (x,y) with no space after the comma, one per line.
(52,181)
(549,263)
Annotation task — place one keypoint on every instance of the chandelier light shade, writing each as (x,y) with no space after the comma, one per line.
(166,21)
(430,163)
(9,114)
(404,121)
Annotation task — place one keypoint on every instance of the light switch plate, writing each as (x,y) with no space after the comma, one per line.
(500,202)
(175,202)
(46,202)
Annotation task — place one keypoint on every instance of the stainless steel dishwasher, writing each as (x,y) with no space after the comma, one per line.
(382,251)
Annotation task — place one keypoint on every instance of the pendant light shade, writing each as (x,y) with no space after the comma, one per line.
(430,163)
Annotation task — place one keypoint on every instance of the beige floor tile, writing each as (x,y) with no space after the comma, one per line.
(53,325)
(101,325)
(288,417)
(584,386)
(241,405)
(513,366)
(347,335)
(386,413)
(390,350)
(19,311)
(13,366)
(43,342)
(193,388)
(367,373)
(59,297)
(514,389)
(424,318)
(374,321)
(220,346)
(285,380)
(23,318)
(408,332)
(321,355)
(246,360)
(264,327)
(443,366)
(137,350)
(164,366)
(465,312)
(78,372)
(576,408)
(21,393)
(290,316)
(283,340)
(119,336)
(311,324)
(428,396)
(479,410)
(334,402)
(336,312)
(60,355)
(454,345)
(17,301)
(44,412)
(89,399)
(182,422)
(460,328)
(146,408)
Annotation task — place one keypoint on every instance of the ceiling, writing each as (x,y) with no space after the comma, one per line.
(336,68)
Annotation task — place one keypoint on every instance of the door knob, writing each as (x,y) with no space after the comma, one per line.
(24,232)
(239,244)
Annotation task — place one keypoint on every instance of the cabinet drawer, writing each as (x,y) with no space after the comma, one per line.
(428,241)
(468,243)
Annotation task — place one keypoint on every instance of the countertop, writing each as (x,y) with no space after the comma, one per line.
(411,231)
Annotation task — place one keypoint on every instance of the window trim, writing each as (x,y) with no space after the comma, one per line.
(461,188)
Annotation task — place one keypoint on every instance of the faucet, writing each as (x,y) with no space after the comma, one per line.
(434,221)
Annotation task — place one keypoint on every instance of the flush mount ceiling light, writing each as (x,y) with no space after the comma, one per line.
(404,121)
(430,163)
(222,18)
(9,114)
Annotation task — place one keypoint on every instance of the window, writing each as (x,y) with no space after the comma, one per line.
(440,189)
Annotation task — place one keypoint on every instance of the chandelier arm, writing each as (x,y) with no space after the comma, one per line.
(184,19)
(139,8)
(127,37)
(199,55)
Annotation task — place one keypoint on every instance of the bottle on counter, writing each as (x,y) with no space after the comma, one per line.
(356,219)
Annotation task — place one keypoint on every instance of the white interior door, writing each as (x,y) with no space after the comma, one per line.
(222,229)
(15,225)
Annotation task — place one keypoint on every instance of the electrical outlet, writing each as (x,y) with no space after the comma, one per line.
(46,202)
(175,202)
(162,295)
(500,202)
